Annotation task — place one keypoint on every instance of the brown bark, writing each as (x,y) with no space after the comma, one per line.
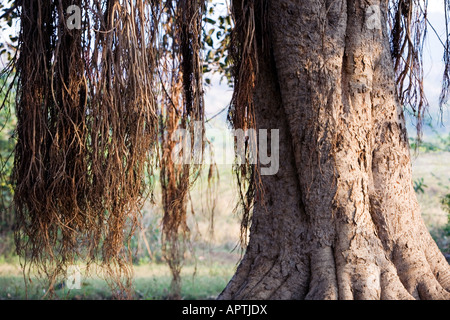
(340,219)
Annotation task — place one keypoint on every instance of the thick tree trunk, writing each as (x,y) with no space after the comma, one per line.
(340,219)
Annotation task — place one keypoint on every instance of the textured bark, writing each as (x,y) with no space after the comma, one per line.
(340,219)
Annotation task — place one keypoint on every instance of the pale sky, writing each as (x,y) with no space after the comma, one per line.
(435,6)
(433,64)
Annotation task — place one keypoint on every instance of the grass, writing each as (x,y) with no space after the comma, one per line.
(151,282)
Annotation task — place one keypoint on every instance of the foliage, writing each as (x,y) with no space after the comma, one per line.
(440,143)
(419,186)
(217,40)
(446,206)
(446,203)
(444,142)
(7,121)
(8,14)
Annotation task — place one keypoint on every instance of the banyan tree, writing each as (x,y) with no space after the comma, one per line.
(102,86)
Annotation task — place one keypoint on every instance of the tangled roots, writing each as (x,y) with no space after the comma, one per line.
(87,123)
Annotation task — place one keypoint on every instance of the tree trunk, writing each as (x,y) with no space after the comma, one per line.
(340,219)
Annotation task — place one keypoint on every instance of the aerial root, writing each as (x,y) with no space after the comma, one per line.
(238,279)
(430,289)
(327,273)
(275,278)
(438,264)
(391,286)
(251,271)
(323,284)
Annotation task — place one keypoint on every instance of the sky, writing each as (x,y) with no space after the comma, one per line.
(434,66)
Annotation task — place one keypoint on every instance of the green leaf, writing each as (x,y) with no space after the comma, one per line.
(209,20)
(209,41)
(210,55)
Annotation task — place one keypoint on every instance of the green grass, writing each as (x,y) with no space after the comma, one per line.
(151,282)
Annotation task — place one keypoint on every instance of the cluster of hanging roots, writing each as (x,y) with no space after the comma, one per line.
(184,110)
(97,107)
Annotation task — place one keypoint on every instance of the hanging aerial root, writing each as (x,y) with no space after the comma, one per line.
(250,31)
(408,29)
(182,110)
(86,129)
